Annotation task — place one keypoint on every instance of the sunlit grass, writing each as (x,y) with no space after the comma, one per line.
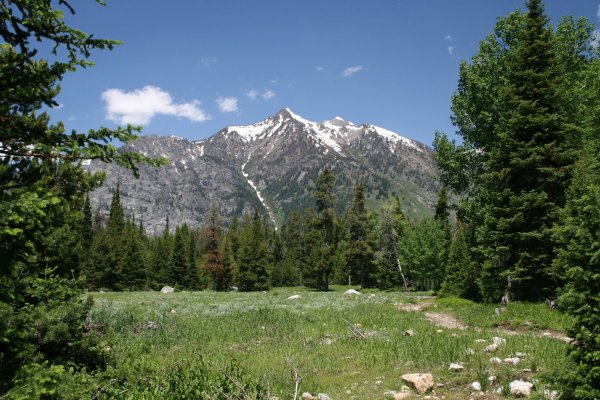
(345,346)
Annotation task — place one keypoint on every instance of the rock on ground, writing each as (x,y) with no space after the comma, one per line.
(421,383)
(167,289)
(350,292)
(476,386)
(294,297)
(520,388)
(456,368)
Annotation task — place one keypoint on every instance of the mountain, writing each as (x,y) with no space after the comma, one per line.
(271,166)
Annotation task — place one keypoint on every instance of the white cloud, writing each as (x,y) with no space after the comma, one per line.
(348,72)
(269,94)
(252,94)
(208,61)
(451,50)
(598,11)
(141,105)
(274,81)
(60,106)
(319,68)
(227,104)
(448,38)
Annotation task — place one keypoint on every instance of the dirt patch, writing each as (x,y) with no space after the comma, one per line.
(445,321)
(414,306)
(442,320)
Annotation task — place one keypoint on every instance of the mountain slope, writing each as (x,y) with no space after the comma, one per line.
(272,166)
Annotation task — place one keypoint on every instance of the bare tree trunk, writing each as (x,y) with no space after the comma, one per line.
(401,273)
(506,298)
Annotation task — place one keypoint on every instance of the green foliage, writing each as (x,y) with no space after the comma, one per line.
(359,254)
(461,274)
(578,263)
(252,255)
(515,109)
(423,254)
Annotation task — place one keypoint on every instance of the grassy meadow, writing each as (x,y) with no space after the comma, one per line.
(349,347)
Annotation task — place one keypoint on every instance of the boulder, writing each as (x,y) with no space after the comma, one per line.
(512,360)
(491,348)
(421,383)
(456,368)
(351,292)
(167,289)
(234,288)
(520,388)
(498,341)
(476,386)
(294,297)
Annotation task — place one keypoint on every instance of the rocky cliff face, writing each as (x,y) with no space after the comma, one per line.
(271,166)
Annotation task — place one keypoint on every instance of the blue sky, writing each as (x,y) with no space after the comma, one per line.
(190,68)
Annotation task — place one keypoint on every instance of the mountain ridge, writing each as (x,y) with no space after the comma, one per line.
(271,166)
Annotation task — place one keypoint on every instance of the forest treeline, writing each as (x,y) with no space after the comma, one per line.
(315,248)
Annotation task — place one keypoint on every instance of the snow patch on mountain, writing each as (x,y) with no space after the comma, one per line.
(262,200)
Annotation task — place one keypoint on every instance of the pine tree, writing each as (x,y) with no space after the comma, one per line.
(461,272)
(116,217)
(252,256)
(132,265)
(213,265)
(359,254)
(578,263)
(326,226)
(530,165)
(178,262)
(87,229)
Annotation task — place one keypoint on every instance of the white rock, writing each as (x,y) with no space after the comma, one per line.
(351,292)
(519,354)
(456,368)
(498,340)
(476,386)
(512,360)
(491,348)
(492,379)
(173,312)
(322,396)
(307,396)
(409,332)
(420,382)
(480,341)
(469,352)
(495,360)
(294,297)
(167,289)
(520,388)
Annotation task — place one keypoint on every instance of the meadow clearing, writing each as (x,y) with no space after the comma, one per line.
(348,347)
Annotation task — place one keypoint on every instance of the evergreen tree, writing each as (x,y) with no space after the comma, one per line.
(213,265)
(326,226)
(359,254)
(132,265)
(461,272)
(87,229)
(292,236)
(42,189)
(578,263)
(178,262)
(116,217)
(512,109)
(252,258)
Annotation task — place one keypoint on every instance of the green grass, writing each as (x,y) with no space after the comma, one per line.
(347,347)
